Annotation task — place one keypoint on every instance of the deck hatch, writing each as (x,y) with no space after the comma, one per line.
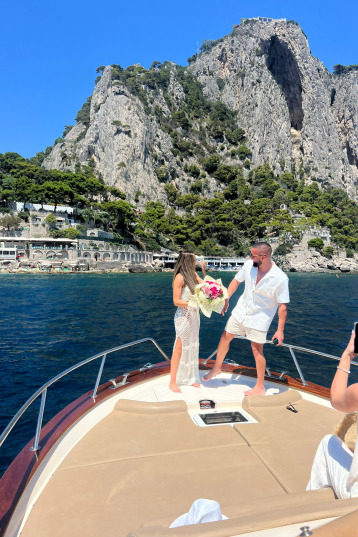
(222,417)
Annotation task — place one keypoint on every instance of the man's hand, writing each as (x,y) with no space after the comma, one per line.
(279,336)
(225,308)
(234,284)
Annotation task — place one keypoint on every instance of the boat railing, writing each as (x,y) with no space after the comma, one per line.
(291,348)
(43,390)
(103,356)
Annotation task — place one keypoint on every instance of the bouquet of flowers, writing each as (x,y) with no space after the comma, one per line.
(209,296)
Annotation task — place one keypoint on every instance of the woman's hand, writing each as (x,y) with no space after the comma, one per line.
(349,351)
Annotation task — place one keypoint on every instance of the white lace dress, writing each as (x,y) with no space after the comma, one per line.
(187,324)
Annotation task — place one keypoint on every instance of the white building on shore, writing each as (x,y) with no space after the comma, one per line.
(43,250)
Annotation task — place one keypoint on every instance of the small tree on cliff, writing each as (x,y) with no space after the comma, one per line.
(317,244)
(10,222)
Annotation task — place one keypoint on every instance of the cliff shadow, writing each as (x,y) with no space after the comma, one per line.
(282,64)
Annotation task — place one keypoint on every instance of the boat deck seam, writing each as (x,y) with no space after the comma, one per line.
(153,455)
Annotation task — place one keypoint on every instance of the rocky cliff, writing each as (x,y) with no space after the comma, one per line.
(141,132)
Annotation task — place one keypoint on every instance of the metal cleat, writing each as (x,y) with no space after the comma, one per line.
(230,362)
(148,365)
(119,384)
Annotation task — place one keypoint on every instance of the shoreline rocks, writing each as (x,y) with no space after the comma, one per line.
(304,260)
(81,268)
(312,261)
(143,268)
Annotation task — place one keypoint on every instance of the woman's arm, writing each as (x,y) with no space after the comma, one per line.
(203,268)
(342,397)
(178,285)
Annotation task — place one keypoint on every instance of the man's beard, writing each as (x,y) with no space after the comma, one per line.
(256,263)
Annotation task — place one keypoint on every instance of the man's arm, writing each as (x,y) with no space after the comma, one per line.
(234,284)
(282,315)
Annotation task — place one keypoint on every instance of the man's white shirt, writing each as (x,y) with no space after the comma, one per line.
(258,304)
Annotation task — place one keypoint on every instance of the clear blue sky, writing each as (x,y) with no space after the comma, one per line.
(49,51)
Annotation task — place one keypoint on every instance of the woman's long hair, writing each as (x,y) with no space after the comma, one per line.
(185,266)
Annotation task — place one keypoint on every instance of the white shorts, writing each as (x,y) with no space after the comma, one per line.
(234,327)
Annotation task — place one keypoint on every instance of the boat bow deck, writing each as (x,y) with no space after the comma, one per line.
(146,461)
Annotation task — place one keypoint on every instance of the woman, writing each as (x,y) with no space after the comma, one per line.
(184,367)
(334,465)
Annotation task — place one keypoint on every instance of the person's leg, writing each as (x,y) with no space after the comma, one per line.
(195,325)
(331,467)
(259,388)
(222,351)
(174,363)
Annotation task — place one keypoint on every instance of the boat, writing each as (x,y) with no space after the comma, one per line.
(130,456)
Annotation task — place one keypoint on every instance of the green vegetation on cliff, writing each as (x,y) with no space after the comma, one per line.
(21,180)
(199,128)
(245,210)
(340,69)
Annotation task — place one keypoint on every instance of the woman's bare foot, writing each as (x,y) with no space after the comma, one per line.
(211,374)
(196,385)
(255,391)
(174,388)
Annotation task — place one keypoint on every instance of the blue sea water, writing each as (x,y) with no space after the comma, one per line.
(50,322)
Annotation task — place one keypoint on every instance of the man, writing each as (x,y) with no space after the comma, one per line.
(266,289)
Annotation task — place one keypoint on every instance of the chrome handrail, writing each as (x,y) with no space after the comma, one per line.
(43,390)
(291,348)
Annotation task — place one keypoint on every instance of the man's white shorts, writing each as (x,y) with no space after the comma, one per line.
(234,327)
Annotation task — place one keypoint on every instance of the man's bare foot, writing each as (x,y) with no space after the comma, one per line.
(255,391)
(196,385)
(174,388)
(211,374)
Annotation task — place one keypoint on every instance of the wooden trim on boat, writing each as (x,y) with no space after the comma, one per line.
(19,473)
